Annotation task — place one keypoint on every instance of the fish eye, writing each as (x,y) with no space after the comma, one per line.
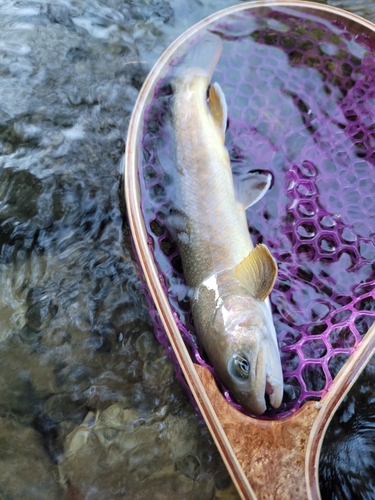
(240,367)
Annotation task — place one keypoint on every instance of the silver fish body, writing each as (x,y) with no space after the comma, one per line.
(230,279)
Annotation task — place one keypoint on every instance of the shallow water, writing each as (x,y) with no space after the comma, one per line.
(90,406)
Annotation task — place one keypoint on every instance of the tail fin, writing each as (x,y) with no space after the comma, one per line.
(200,59)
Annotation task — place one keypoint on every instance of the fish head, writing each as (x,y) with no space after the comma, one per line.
(248,357)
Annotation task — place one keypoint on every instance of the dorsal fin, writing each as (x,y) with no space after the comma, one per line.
(218,107)
(257,272)
(251,187)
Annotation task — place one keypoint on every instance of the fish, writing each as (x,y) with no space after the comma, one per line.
(230,280)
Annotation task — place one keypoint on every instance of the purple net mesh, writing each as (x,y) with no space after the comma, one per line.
(301,100)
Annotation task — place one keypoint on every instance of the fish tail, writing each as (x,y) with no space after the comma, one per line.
(200,60)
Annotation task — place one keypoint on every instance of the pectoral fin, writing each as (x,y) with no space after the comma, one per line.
(257,272)
(218,107)
(251,187)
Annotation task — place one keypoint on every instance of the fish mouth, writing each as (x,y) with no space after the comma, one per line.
(259,405)
(273,390)
(267,387)
(268,382)
(262,383)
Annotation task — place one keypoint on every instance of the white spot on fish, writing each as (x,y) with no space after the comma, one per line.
(184,238)
(211,284)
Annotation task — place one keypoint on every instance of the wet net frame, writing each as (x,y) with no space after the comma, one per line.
(316,236)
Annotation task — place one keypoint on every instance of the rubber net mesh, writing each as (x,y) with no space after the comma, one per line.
(301,98)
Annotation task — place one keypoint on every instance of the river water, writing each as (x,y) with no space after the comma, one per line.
(90,407)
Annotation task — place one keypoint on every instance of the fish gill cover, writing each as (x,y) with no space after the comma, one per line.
(301,100)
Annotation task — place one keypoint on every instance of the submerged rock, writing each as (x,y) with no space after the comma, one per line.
(26,470)
(127,453)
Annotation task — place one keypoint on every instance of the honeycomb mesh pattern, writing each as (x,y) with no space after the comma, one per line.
(301,100)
